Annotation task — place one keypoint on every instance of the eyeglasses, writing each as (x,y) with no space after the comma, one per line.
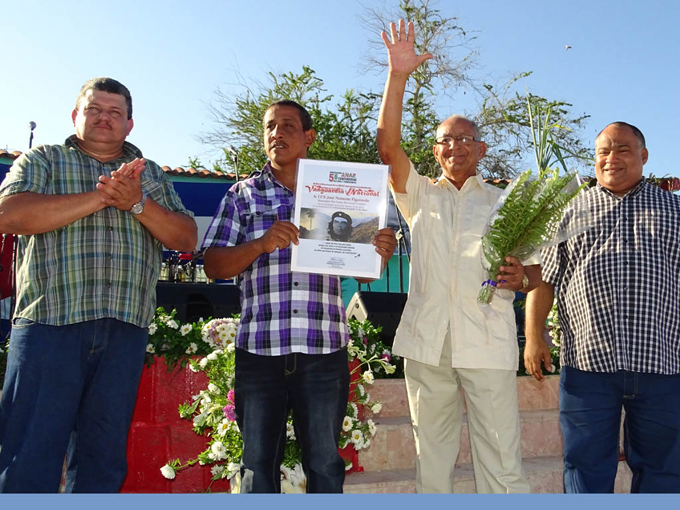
(462,139)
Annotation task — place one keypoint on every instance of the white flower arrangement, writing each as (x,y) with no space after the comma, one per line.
(371,427)
(347,424)
(290,431)
(217,470)
(213,411)
(174,342)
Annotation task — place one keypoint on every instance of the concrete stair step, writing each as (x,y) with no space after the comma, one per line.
(393,447)
(532,395)
(544,475)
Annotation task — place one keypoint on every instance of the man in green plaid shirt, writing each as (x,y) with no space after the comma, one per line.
(92,218)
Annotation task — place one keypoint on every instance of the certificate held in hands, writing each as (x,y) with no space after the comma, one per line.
(339,208)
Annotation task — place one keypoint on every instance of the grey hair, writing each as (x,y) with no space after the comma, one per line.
(475,127)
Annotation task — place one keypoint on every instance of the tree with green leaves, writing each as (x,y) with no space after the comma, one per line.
(346,126)
(432,91)
(434,82)
(506,127)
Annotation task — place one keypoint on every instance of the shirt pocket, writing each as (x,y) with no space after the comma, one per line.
(424,317)
(661,225)
(259,217)
(504,331)
(413,304)
(483,328)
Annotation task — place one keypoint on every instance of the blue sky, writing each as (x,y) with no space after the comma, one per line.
(623,64)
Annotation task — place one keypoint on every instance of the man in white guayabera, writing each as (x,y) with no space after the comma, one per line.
(448,341)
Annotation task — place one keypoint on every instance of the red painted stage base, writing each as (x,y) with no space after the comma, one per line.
(158,434)
(349,453)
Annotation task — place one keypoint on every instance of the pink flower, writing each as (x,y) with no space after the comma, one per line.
(230,396)
(229,413)
(386,357)
(365,340)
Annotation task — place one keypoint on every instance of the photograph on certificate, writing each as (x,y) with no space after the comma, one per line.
(347,227)
(339,208)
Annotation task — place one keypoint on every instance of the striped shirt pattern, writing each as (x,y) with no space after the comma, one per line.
(104,265)
(282,312)
(618,283)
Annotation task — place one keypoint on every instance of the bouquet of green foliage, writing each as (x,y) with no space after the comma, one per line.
(526,216)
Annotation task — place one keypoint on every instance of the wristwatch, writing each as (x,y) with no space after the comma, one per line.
(525,282)
(139,206)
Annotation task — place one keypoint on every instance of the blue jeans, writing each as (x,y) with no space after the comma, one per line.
(69,391)
(590,418)
(316,387)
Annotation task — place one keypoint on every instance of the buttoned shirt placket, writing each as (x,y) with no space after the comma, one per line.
(626,299)
(622,275)
(455,209)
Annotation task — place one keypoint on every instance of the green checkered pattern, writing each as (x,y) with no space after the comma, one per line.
(104,265)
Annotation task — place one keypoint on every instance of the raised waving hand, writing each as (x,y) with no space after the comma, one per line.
(401,52)
(403,61)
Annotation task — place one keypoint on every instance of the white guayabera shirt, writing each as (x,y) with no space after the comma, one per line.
(446,274)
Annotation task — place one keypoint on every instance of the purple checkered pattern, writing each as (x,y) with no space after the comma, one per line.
(282,311)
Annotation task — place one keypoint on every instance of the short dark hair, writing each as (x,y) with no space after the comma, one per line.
(305,117)
(106,85)
(619,123)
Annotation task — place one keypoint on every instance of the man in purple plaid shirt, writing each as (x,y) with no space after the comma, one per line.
(291,347)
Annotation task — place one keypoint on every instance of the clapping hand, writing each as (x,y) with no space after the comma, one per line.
(124,188)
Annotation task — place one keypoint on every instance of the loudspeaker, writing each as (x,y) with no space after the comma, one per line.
(195,300)
(381,308)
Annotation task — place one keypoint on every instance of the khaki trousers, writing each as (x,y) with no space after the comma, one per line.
(436,405)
